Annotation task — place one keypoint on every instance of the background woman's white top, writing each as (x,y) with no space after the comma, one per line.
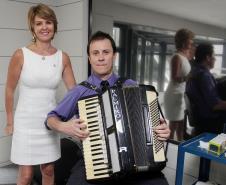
(174,96)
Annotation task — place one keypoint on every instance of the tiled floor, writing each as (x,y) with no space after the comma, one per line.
(8,176)
(170,174)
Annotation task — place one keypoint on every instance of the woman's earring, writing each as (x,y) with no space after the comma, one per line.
(33,39)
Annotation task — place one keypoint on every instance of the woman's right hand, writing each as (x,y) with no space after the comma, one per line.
(9,129)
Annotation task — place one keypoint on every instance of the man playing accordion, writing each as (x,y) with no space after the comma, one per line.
(101,51)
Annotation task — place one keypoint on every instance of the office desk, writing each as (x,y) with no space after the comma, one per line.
(192,146)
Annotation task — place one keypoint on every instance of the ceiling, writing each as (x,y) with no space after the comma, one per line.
(212,12)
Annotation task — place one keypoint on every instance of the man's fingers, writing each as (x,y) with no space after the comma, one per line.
(80,132)
(82,126)
(162,131)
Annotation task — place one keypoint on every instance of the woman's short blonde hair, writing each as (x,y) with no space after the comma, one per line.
(43,11)
(182,37)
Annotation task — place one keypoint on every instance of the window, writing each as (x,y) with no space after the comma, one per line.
(145,56)
(217,70)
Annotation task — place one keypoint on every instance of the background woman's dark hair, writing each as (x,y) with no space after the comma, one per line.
(202,51)
(99,35)
(182,37)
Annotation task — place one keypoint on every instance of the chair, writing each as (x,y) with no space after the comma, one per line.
(70,153)
(190,120)
(199,124)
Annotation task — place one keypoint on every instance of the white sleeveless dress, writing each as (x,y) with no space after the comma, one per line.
(174,104)
(32,143)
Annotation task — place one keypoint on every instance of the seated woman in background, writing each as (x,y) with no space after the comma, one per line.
(201,88)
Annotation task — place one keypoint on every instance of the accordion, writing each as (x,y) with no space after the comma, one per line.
(121,140)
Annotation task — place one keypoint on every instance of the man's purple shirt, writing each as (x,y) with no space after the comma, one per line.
(67,108)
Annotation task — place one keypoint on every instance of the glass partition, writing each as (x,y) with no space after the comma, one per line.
(145,56)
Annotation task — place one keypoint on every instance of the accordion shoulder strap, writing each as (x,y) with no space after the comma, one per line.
(119,82)
(90,86)
(161,112)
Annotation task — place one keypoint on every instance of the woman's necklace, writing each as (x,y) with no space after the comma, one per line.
(40,51)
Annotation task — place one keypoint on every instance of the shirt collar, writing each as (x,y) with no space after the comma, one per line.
(95,80)
(201,67)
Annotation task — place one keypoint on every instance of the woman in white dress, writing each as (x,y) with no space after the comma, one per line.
(37,69)
(179,68)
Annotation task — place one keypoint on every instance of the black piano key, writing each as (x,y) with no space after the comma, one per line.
(92,130)
(94,112)
(91,107)
(100,169)
(98,159)
(89,117)
(92,126)
(91,140)
(87,104)
(95,145)
(99,153)
(90,122)
(96,149)
(94,135)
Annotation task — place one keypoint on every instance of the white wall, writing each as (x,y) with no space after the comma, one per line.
(72,38)
(121,13)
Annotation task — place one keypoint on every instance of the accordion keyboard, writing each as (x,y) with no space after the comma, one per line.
(94,147)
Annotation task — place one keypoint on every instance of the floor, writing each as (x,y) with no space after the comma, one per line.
(8,173)
(8,176)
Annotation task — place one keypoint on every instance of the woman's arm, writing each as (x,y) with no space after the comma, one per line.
(176,68)
(14,70)
(68,75)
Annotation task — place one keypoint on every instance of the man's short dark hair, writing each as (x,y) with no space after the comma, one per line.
(99,35)
(202,51)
